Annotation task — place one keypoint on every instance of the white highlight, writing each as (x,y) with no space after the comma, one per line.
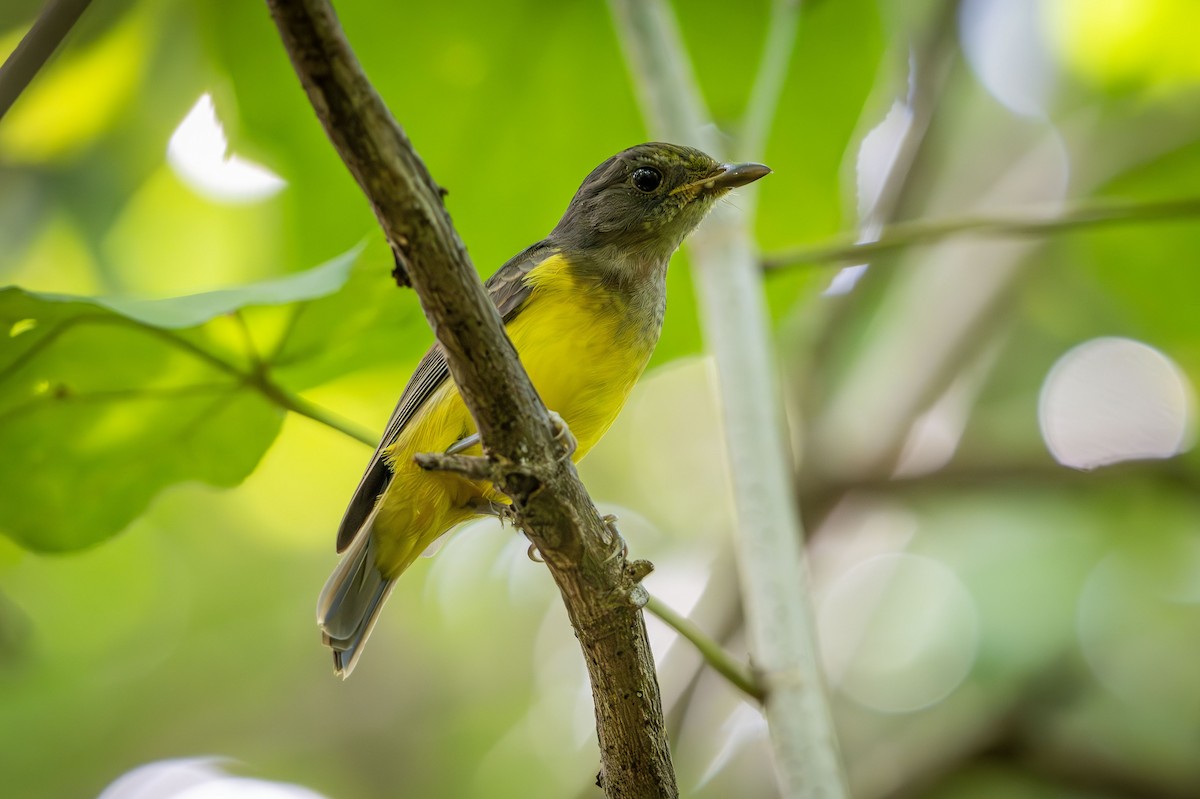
(1003,43)
(197,778)
(1113,399)
(199,153)
(876,159)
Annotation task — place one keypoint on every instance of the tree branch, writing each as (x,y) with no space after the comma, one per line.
(770,557)
(36,47)
(600,589)
(927,231)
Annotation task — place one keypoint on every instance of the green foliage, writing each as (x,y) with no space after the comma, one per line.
(106,402)
(152,336)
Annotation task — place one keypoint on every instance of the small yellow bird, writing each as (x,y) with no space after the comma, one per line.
(584,308)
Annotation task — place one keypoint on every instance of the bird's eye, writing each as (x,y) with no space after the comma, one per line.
(647,179)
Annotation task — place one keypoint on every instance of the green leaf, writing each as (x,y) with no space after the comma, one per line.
(105,402)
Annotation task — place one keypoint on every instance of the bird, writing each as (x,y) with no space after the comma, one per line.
(583,307)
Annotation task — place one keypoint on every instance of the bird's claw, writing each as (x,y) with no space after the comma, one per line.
(563,434)
(500,510)
(533,553)
(610,521)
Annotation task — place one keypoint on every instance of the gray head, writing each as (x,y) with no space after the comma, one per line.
(642,202)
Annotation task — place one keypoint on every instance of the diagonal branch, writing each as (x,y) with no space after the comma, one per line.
(600,589)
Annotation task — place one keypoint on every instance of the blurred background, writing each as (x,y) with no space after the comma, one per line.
(992,435)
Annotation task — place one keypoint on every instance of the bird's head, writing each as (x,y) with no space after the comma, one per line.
(644,201)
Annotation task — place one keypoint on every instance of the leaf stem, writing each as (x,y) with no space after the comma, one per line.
(296,404)
(712,652)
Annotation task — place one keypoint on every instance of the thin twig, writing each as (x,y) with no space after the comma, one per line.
(471,466)
(43,38)
(927,231)
(712,652)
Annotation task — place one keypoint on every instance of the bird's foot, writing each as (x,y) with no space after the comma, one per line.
(534,554)
(500,510)
(563,434)
(610,521)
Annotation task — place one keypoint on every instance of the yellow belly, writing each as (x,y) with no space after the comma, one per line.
(583,356)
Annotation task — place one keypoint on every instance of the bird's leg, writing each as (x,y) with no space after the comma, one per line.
(463,444)
(563,434)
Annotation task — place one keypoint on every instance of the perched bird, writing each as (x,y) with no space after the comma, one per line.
(583,307)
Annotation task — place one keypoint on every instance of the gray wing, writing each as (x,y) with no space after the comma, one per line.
(508,291)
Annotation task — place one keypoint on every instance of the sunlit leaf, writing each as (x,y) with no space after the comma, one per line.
(105,402)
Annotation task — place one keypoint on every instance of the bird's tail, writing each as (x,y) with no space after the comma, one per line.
(351,601)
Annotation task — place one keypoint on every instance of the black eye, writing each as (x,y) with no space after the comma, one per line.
(647,178)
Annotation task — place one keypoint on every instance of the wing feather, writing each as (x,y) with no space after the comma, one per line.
(508,291)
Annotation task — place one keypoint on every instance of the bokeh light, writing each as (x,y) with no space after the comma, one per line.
(1133,604)
(898,632)
(1002,40)
(1114,399)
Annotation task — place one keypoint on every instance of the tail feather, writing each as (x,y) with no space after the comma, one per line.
(351,600)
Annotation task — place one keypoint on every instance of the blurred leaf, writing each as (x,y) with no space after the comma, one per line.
(105,402)
(368,323)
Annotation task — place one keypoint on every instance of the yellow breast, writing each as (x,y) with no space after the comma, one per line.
(583,354)
(582,351)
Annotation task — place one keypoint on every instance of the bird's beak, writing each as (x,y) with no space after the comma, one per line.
(729,176)
(733,175)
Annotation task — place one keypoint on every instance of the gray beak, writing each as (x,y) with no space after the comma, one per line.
(733,175)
